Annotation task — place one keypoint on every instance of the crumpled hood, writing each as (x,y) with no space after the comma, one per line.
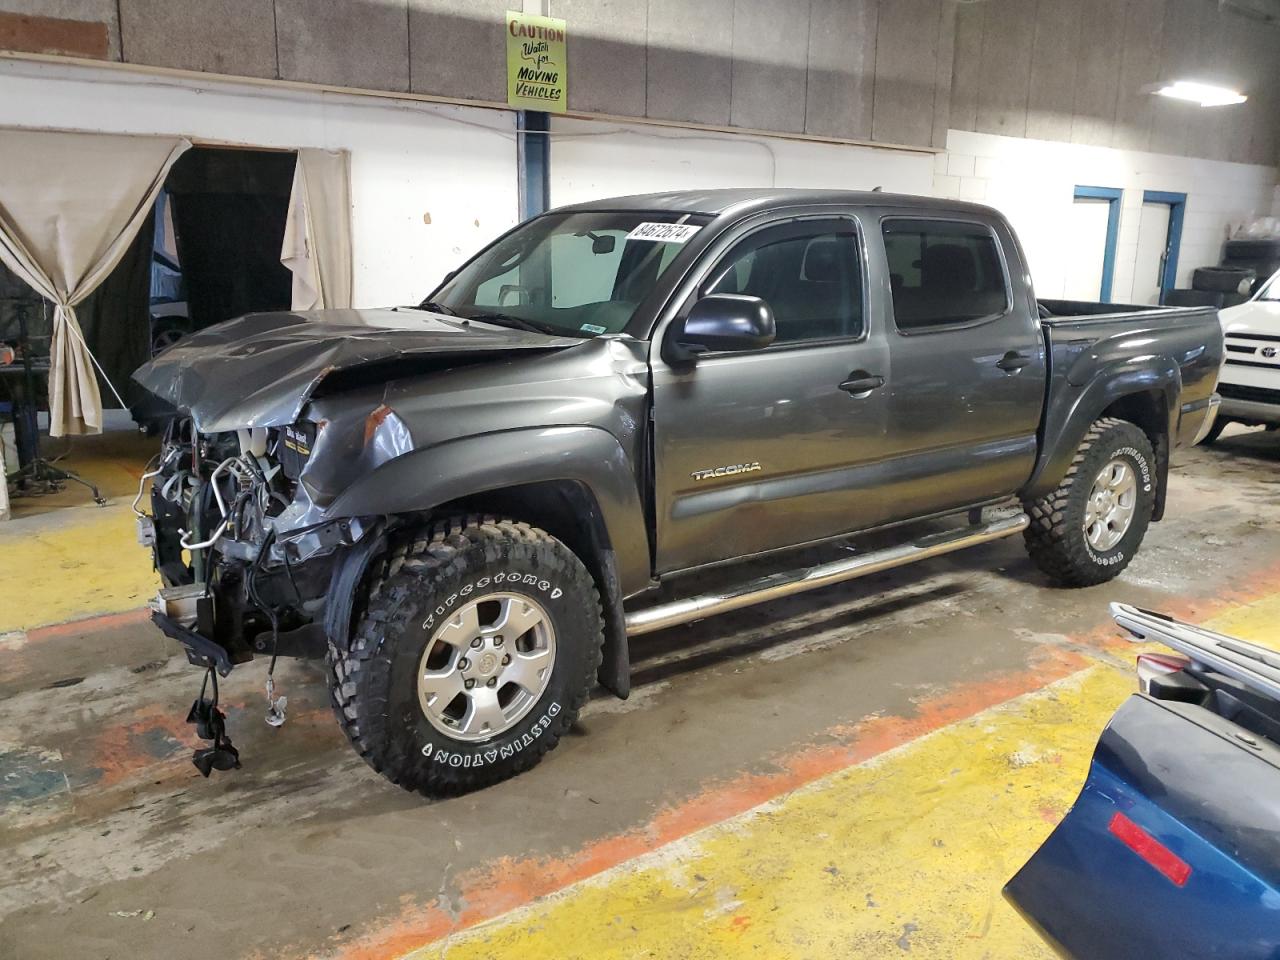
(259,370)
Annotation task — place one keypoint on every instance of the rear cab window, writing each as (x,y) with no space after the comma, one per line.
(943,273)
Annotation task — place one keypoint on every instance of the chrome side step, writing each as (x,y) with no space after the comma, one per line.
(790,582)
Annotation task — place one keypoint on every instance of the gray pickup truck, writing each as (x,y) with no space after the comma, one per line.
(468,506)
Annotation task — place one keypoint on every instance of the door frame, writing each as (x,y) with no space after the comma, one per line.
(1177,204)
(672,556)
(1113,196)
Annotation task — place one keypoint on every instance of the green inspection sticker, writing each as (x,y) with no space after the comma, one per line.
(593,328)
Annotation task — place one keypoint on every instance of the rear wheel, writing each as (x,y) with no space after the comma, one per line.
(1088,529)
(477,646)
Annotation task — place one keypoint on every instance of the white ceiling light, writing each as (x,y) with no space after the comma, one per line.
(1205,94)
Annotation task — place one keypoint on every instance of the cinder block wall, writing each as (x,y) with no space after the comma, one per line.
(1033,182)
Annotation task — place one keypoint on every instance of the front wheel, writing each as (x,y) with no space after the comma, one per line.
(477,646)
(1088,529)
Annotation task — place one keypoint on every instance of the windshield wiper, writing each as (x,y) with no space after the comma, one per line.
(520,323)
(436,306)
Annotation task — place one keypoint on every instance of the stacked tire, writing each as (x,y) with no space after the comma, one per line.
(1245,265)
(1226,278)
(1262,256)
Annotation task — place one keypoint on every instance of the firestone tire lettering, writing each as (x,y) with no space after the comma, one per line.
(490,754)
(545,586)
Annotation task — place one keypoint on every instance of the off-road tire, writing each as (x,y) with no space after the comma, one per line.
(374,686)
(1056,538)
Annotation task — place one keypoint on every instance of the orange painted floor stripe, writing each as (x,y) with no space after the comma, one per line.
(104,621)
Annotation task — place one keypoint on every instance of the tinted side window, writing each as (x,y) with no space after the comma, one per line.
(943,273)
(813,283)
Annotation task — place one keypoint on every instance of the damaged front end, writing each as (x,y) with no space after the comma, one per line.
(248,563)
(245,557)
(242,525)
(269,424)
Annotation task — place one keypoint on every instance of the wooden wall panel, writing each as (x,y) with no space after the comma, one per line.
(906,48)
(842,66)
(1055,55)
(1097,76)
(1004,83)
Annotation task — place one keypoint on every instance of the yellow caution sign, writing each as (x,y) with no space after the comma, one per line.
(537,69)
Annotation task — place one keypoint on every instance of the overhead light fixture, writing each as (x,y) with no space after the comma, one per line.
(1205,94)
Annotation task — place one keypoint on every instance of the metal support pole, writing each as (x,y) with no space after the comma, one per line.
(533,158)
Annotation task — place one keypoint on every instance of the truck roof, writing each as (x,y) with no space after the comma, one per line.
(720,201)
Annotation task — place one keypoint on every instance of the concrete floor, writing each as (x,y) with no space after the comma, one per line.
(854,772)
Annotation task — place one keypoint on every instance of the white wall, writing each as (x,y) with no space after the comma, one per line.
(592,159)
(410,161)
(1033,181)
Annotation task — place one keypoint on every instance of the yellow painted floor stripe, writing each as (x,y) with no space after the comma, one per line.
(61,557)
(906,852)
(1258,621)
(72,563)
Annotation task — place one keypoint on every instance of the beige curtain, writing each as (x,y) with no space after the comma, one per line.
(317,232)
(70,205)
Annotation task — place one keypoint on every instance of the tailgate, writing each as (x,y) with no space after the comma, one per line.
(1173,847)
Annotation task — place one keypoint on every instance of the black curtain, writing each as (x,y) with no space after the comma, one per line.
(116,319)
(229,212)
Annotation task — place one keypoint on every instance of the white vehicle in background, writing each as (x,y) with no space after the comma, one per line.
(1250,380)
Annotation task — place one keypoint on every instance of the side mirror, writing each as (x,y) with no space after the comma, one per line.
(722,321)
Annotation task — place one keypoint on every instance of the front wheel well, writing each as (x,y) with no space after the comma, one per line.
(1148,411)
(566,509)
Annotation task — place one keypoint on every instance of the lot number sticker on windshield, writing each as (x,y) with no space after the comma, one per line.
(664,232)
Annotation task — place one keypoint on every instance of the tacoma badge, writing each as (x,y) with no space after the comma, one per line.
(728,471)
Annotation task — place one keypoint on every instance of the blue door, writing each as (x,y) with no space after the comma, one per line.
(1159,237)
(1093,229)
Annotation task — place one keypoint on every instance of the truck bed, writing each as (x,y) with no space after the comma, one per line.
(1055,312)
(1100,352)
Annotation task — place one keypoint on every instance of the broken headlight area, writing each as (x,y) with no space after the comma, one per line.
(235,538)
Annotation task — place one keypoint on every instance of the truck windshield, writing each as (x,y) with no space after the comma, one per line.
(1271,290)
(573,274)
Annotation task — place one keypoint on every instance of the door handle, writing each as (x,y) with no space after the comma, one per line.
(1013,361)
(861,382)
